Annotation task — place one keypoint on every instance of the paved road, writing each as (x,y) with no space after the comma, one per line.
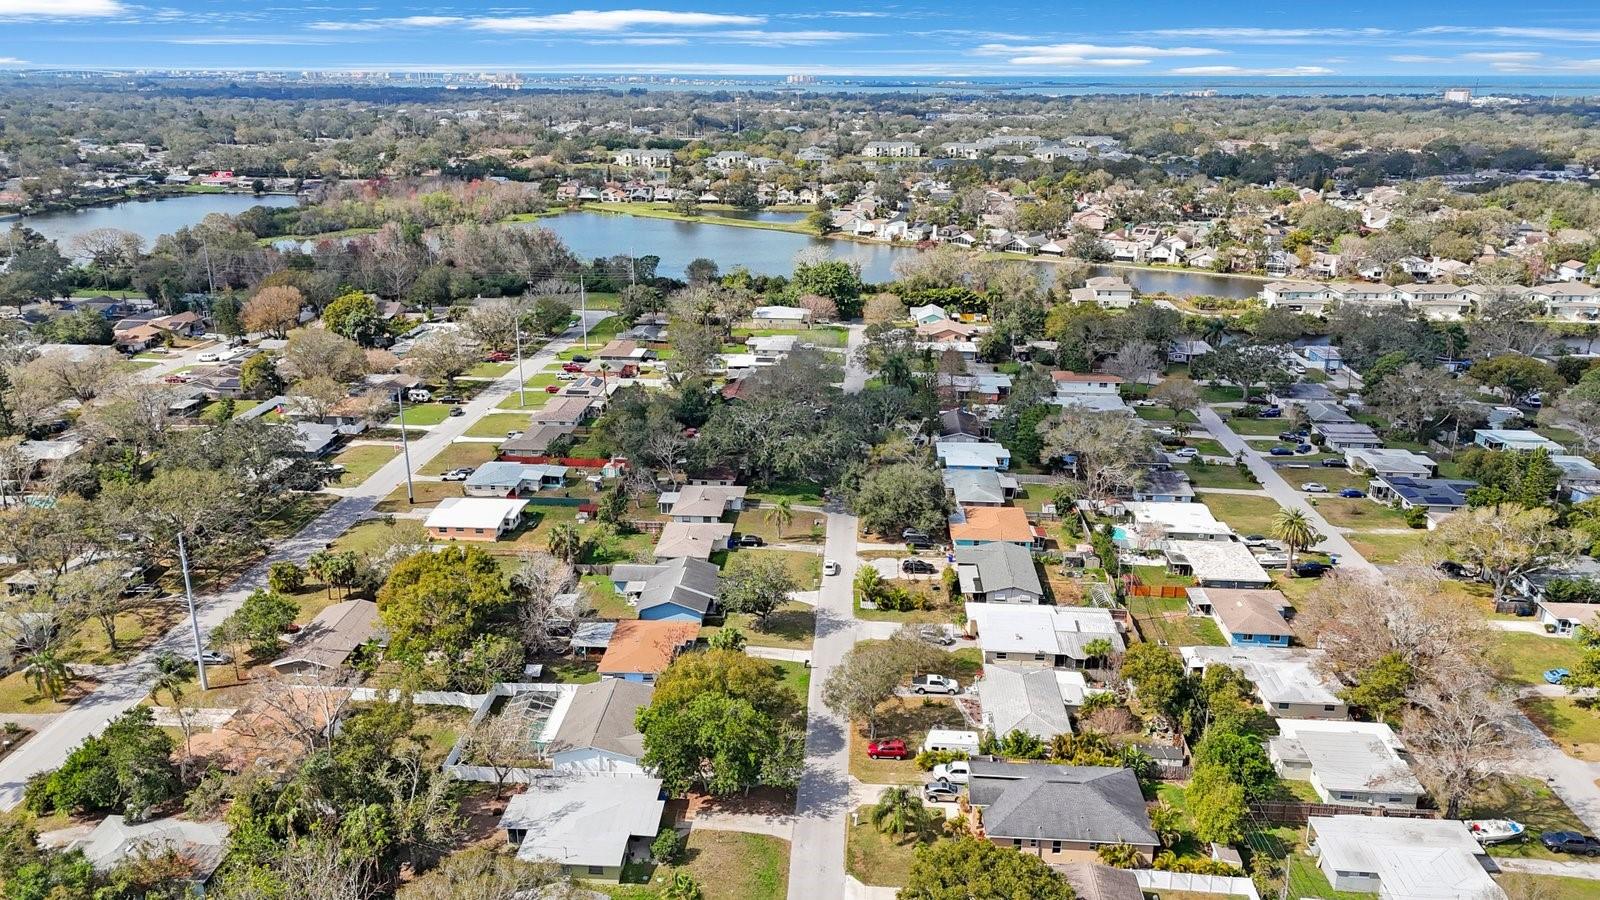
(816,860)
(122,687)
(1287,497)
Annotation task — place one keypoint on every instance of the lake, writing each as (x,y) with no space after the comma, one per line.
(149,219)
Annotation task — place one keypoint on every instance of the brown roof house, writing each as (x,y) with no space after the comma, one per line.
(329,639)
(640,650)
(1246,617)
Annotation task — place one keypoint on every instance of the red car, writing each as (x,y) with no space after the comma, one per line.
(895,749)
(572,367)
(552,388)
(499,356)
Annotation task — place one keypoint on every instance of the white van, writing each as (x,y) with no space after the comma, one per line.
(419,395)
(944,739)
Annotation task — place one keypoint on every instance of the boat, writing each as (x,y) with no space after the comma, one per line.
(1495,831)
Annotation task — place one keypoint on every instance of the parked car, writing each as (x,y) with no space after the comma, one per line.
(580,359)
(1304,448)
(1312,569)
(572,367)
(1334,464)
(1556,676)
(830,567)
(567,376)
(552,388)
(749,540)
(938,635)
(890,749)
(1314,487)
(1294,436)
(935,684)
(1186,453)
(1271,412)
(457,411)
(940,791)
(498,356)
(1256,540)
(216,657)
(1281,451)
(1570,842)
(210,356)
(1352,493)
(958,772)
(1272,559)
(449,398)
(916,566)
(460,474)
(1452,569)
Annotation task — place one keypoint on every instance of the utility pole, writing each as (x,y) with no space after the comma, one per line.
(405,446)
(522,385)
(583,311)
(194,620)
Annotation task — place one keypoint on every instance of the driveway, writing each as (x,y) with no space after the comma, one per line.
(123,686)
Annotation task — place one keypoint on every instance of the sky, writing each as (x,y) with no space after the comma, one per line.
(1232,38)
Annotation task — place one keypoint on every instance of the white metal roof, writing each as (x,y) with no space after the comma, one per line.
(584,820)
(1415,859)
(474,512)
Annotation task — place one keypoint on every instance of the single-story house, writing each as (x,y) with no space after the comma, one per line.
(588,824)
(1287,680)
(474,518)
(1028,700)
(702,502)
(502,478)
(327,641)
(1302,392)
(535,441)
(1074,384)
(972,526)
(1402,858)
(566,411)
(620,352)
(1428,494)
(1175,521)
(641,649)
(998,573)
(781,316)
(595,731)
(932,312)
(1341,436)
(1040,636)
(972,455)
(1221,564)
(1566,617)
(979,487)
(692,540)
(1245,617)
(1391,461)
(1514,439)
(960,426)
(681,589)
(1318,413)
(1580,478)
(1160,485)
(1184,350)
(200,845)
(1060,813)
(1348,766)
(315,439)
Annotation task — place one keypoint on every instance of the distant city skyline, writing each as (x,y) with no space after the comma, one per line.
(931,39)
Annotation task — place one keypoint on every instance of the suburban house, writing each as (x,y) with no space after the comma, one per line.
(1162,485)
(201,846)
(1245,616)
(692,540)
(1060,813)
(474,518)
(1347,763)
(1401,858)
(588,824)
(1566,617)
(1034,701)
(1073,385)
(1580,478)
(928,314)
(702,503)
(596,730)
(621,353)
(1391,461)
(972,455)
(780,316)
(1039,636)
(641,649)
(1221,564)
(1093,881)
(1106,291)
(1514,439)
(566,412)
(972,526)
(1153,522)
(961,426)
(1287,680)
(513,479)
(1339,437)
(326,642)
(1428,494)
(534,442)
(998,573)
(979,487)
(680,590)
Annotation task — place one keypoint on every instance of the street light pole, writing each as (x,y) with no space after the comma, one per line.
(583,311)
(405,446)
(194,620)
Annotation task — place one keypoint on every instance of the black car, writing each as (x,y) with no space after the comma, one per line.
(749,540)
(1452,569)
(918,567)
(580,359)
(1311,569)
(1333,464)
(1570,842)
(1289,436)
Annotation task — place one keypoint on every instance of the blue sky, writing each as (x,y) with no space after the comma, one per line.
(758,37)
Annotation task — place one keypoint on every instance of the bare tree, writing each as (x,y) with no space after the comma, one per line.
(80,378)
(314,352)
(1135,361)
(1504,541)
(273,310)
(315,397)
(1361,619)
(501,743)
(441,356)
(1464,733)
(1108,448)
(549,600)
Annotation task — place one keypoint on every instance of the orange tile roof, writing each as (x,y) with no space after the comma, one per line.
(1074,376)
(993,523)
(646,646)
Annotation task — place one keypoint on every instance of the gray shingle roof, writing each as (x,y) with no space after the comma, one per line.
(1037,801)
(997,567)
(601,716)
(691,583)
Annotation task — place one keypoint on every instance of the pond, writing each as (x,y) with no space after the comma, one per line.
(149,219)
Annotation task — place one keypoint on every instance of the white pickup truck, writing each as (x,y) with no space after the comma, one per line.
(958,772)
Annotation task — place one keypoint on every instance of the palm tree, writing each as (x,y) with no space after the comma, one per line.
(1293,528)
(781,513)
(1119,856)
(683,887)
(172,672)
(565,542)
(48,673)
(317,566)
(899,811)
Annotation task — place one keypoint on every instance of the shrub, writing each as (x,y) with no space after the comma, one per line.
(927,759)
(1416,518)
(285,577)
(668,846)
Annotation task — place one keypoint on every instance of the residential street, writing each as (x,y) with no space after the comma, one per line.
(123,686)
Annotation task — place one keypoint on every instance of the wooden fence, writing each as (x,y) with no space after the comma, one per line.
(1165,591)
(1292,812)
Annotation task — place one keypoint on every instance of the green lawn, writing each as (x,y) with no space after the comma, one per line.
(728,865)
(1576,729)
(1206,475)
(1162,414)
(803,492)
(1524,657)
(1246,514)
(1257,427)
(535,399)
(1167,619)
(1522,886)
(1218,393)
(803,528)
(941,609)
(877,858)
(1306,880)
(790,626)
(456,455)
(906,718)
(1359,513)
(423,414)
(796,677)
(361,461)
(426,494)
(1531,802)
(489,369)
(496,425)
(1206,446)
(1387,548)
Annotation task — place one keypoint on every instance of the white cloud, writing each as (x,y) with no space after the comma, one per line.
(59,9)
(645,41)
(780,38)
(1517,31)
(1504,56)
(250,40)
(610,20)
(375,24)
(1090,51)
(1417,58)
(1241,70)
(1267,35)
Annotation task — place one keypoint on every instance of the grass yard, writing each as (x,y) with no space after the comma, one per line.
(790,626)
(489,369)
(1306,880)
(1162,414)
(535,400)
(877,858)
(942,609)
(136,629)
(1247,515)
(17,695)
(1531,802)
(456,455)
(607,603)
(728,865)
(1206,475)
(423,414)
(1359,513)
(1524,657)
(1257,427)
(1388,548)
(427,494)
(906,718)
(495,425)
(1576,729)
(804,528)
(1167,620)
(806,492)
(1220,393)
(361,461)
(796,677)
(1522,886)
(1206,446)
